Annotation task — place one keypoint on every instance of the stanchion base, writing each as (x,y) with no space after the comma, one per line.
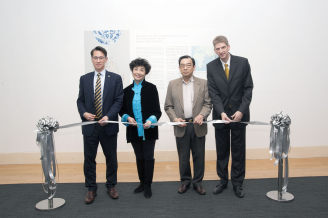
(273,195)
(43,205)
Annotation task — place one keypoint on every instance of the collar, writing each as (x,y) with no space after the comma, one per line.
(228,62)
(102,73)
(135,84)
(191,80)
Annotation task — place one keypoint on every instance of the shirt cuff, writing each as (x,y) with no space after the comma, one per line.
(125,119)
(152,119)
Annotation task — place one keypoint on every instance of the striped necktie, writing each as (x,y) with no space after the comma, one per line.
(226,70)
(98,105)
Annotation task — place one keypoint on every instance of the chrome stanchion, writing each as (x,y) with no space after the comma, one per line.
(45,140)
(50,203)
(279,195)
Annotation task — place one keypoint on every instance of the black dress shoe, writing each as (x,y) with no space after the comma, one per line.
(183,188)
(219,188)
(238,191)
(200,190)
(148,193)
(139,189)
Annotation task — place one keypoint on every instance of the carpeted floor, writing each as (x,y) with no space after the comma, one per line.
(310,193)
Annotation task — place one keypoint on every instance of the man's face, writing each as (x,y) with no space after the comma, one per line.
(222,50)
(99,60)
(186,67)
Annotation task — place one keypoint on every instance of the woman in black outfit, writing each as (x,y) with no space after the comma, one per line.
(141,107)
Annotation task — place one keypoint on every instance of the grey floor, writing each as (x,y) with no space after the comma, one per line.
(310,193)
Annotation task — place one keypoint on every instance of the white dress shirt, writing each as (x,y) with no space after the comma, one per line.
(228,62)
(188,97)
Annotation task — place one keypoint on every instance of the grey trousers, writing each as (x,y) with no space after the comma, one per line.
(197,146)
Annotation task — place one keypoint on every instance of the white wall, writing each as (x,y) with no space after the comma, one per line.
(42,58)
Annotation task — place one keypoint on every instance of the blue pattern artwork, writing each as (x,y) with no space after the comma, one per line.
(107,37)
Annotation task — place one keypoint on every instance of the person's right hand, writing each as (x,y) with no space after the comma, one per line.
(180,120)
(225,117)
(89,117)
(131,120)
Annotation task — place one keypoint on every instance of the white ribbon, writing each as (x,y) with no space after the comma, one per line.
(159,124)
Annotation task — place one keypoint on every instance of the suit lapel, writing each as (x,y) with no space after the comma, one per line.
(196,91)
(106,85)
(233,66)
(180,93)
(90,84)
(221,71)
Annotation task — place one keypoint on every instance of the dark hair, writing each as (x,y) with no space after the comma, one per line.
(187,56)
(99,48)
(140,62)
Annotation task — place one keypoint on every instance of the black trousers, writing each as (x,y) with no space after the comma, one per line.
(109,146)
(144,150)
(238,146)
(188,142)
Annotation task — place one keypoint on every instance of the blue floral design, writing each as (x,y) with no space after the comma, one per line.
(107,37)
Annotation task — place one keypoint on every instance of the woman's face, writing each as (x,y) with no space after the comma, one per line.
(138,73)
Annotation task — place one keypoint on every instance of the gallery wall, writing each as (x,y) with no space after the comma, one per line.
(42,58)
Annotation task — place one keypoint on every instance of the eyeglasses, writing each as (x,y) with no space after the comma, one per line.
(185,65)
(96,58)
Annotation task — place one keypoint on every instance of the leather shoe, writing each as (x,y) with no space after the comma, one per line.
(238,191)
(219,188)
(139,189)
(113,193)
(200,190)
(90,197)
(183,188)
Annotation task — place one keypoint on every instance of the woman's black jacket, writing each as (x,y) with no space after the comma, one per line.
(149,106)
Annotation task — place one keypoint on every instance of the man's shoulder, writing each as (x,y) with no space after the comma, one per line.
(238,58)
(200,80)
(175,81)
(87,75)
(214,62)
(112,74)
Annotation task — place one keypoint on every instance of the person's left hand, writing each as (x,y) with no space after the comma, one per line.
(147,125)
(237,116)
(105,118)
(199,119)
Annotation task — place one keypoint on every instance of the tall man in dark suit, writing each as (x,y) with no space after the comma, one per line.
(100,99)
(230,87)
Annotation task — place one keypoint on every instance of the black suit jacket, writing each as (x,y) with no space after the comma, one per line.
(112,100)
(237,91)
(149,106)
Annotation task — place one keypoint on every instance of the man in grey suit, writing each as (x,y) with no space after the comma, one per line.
(230,87)
(187,100)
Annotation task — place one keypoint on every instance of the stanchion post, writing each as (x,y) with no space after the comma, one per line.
(280,179)
(50,203)
(50,199)
(279,195)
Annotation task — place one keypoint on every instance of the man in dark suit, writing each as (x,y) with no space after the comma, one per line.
(230,87)
(100,99)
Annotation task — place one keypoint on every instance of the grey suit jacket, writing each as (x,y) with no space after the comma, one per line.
(174,107)
(237,91)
